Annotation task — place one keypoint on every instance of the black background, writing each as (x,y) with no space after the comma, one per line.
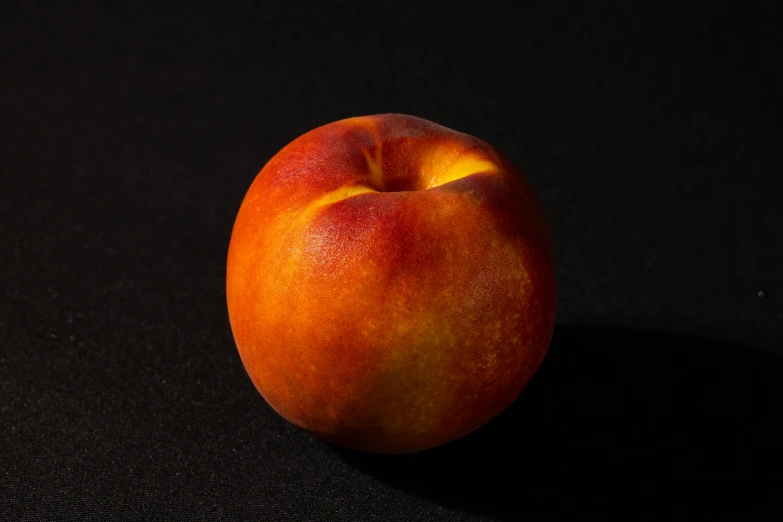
(129,135)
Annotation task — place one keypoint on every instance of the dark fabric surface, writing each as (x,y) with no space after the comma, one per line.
(128,136)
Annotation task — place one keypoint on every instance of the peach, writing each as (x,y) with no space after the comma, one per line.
(390,283)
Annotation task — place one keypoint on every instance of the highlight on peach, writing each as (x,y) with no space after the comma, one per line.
(390,283)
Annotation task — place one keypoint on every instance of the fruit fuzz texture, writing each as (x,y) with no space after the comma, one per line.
(390,283)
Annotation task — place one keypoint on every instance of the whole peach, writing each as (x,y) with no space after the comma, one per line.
(390,283)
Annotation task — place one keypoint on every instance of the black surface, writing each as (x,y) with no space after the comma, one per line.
(128,136)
